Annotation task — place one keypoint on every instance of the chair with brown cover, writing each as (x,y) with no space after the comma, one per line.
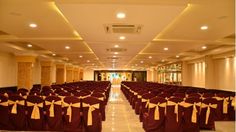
(173,122)
(35,115)
(91,114)
(208,113)
(17,112)
(154,120)
(72,114)
(4,112)
(101,97)
(144,104)
(53,108)
(191,107)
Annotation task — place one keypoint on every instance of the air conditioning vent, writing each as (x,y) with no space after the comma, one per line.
(112,58)
(116,50)
(122,28)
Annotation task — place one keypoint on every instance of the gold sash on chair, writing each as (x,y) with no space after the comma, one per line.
(4,103)
(233,102)
(51,109)
(156,106)
(69,109)
(101,98)
(225,103)
(139,96)
(146,101)
(90,110)
(35,113)
(214,106)
(176,109)
(194,112)
(15,103)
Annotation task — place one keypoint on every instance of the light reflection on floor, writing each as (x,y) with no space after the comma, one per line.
(120,117)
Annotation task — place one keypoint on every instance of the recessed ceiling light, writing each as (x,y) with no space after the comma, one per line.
(53,54)
(136,64)
(116,53)
(204,47)
(33,25)
(88,61)
(141,61)
(204,27)
(177,56)
(114,56)
(120,15)
(116,46)
(80,56)
(162,60)
(122,37)
(67,47)
(150,57)
(166,49)
(29,45)
(93,64)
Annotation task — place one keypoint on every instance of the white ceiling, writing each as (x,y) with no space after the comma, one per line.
(80,24)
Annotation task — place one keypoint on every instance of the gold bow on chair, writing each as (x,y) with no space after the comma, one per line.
(209,106)
(176,109)
(225,103)
(90,110)
(3,103)
(194,112)
(101,98)
(35,113)
(139,96)
(146,101)
(15,103)
(51,109)
(233,102)
(156,106)
(69,109)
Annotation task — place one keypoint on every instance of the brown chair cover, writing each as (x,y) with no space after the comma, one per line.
(72,110)
(91,114)
(173,122)
(35,116)
(4,113)
(53,108)
(154,121)
(102,98)
(17,112)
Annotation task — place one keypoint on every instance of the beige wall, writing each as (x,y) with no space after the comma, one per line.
(8,70)
(225,73)
(37,72)
(88,74)
(198,74)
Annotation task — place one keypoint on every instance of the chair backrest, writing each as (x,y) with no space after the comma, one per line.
(92,114)
(35,114)
(72,109)
(53,108)
(17,112)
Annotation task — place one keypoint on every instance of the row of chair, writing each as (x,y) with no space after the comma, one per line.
(83,111)
(174,109)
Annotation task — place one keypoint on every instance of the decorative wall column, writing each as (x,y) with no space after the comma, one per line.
(76,74)
(60,73)
(209,73)
(186,74)
(24,73)
(69,73)
(154,74)
(46,73)
(81,74)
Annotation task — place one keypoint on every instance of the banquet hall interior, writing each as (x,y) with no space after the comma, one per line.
(123,66)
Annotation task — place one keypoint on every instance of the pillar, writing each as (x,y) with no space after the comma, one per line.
(186,74)
(81,74)
(25,71)
(69,73)
(46,73)
(76,74)
(209,72)
(60,73)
